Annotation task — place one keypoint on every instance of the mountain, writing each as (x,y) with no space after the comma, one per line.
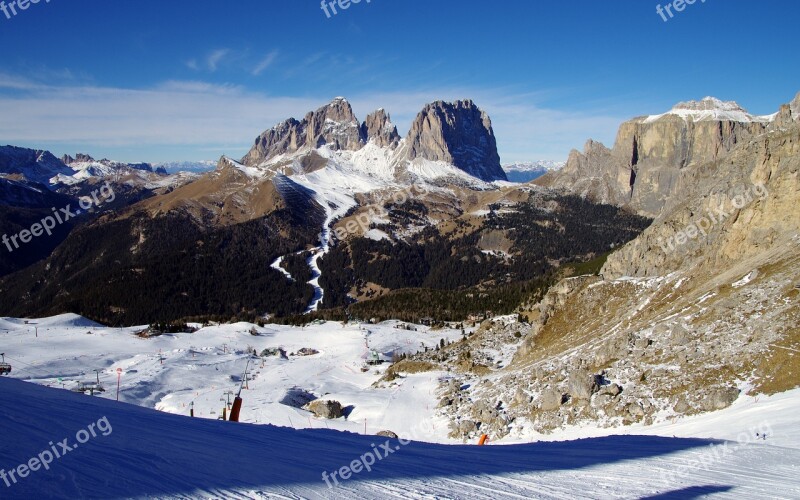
(334,125)
(173,167)
(697,313)
(84,167)
(295,227)
(530,171)
(33,165)
(643,169)
(456,135)
(459,134)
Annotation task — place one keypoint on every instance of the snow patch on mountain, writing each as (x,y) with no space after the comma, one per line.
(711,109)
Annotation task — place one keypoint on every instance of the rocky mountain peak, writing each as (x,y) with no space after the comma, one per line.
(34,165)
(334,125)
(458,133)
(709,104)
(378,128)
(79,158)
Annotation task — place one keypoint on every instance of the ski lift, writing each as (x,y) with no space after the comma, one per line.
(5,368)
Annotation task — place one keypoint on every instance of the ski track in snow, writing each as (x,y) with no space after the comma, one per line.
(165,454)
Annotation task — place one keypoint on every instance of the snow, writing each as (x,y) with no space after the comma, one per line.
(377,235)
(199,367)
(252,172)
(277,266)
(747,279)
(711,108)
(165,455)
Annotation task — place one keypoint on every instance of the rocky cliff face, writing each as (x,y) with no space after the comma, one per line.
(643,169)
(334,125)
(727,211)
(33,165)
(698,311)
(379,129)
(596,174)
(458,133)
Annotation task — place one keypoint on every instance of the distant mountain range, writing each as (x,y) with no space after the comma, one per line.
(197,167)
(530,171)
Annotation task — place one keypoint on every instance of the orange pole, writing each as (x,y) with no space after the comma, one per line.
(483,440)
(237,407)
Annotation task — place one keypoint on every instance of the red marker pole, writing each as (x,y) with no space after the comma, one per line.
(119,375)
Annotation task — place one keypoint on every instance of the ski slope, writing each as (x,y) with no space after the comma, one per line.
(280,451)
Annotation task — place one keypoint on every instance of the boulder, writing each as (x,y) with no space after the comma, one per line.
(325,409)
(582,384)
(720,398)
(550,399)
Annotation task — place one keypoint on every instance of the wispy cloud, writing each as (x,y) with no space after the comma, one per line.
(215,57)
(265,63)
(198,114)
(210,62)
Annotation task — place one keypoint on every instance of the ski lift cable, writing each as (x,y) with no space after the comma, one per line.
(24,363)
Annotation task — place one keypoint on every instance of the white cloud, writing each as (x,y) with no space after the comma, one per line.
(265,63)
(215,58)
(196,114)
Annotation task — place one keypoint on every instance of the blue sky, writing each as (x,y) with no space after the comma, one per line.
(194,79)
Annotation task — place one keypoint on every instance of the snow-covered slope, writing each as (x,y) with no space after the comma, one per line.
(137,452)
(713,109)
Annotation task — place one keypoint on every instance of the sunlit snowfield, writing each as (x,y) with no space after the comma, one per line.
(151,453)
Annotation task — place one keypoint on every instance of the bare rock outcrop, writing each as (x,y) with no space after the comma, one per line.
(325,409)
(334,125)
(458,133)
(643,170)
(379,129)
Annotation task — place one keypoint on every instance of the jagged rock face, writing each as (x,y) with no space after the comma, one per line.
(788,114)
(79,158)
(457,133)
(379,129)
(723,213)
(34,165)
(334,125)
(643,169)
(595,174)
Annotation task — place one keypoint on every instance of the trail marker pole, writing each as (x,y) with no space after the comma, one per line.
(119,375)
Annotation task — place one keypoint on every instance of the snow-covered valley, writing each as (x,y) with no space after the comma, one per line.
(166,453)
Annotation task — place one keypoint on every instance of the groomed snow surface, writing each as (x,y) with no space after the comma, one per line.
(280,451)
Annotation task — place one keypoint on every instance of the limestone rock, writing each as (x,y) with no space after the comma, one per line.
(721,398)
(325,409)
(334,125)
(582,385)
(550,399)
(458,133)
(379,129)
